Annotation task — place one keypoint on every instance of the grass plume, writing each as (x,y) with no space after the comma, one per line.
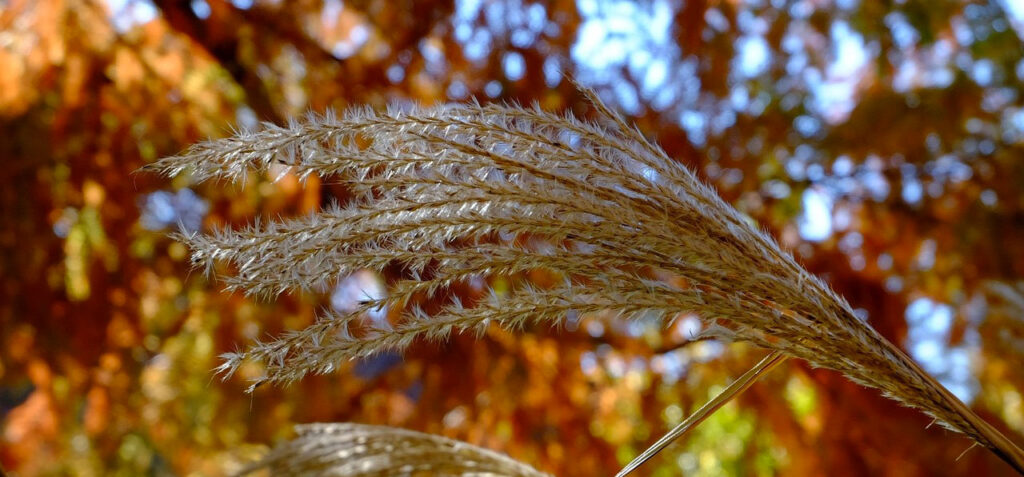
(451,192)
(360,450)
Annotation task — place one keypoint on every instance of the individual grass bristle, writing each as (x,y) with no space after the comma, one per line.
(360,450)
(449,192)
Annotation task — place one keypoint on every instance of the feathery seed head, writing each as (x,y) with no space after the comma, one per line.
(360,450)
(458,189)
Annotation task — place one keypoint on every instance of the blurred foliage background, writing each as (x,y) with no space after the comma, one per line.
(881,141)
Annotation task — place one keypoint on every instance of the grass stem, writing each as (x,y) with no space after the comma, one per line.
(738,386)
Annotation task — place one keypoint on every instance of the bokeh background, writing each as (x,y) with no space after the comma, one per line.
(881,141)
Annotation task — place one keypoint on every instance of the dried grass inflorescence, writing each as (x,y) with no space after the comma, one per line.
(1003,328)
(1007,299)
(360,450)
(450,191)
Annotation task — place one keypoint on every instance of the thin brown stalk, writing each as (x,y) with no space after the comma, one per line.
(734,389)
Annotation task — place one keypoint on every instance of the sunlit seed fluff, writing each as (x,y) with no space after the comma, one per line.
(449,185)
(356,450)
